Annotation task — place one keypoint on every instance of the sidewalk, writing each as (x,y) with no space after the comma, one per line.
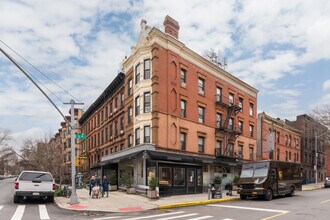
(122,202)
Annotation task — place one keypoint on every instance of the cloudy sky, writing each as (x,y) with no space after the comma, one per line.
(280,47)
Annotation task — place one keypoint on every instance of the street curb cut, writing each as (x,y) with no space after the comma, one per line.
(175,205)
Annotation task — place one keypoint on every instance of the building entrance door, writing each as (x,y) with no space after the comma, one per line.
(191,181)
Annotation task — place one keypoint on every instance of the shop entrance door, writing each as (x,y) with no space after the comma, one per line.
(191,180)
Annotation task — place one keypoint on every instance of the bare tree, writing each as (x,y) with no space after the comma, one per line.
(5,136)
(322,115)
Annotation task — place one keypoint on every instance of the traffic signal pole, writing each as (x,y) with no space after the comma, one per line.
(73,197)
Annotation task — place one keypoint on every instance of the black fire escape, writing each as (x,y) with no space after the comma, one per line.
(228,126)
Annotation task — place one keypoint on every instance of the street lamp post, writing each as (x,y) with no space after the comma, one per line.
(73,197)
(316,154)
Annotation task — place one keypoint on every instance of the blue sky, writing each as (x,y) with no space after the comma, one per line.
(279,47)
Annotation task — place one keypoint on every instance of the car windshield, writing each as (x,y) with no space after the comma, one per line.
(29,176)
(255,170)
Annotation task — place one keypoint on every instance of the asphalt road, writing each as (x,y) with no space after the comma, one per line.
(313,205)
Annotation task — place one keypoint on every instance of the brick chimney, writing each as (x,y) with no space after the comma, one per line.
(171,27)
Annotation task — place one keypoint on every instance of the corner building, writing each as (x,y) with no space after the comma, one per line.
(186,119)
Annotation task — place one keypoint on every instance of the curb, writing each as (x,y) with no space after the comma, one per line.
(311,189)
(183,204)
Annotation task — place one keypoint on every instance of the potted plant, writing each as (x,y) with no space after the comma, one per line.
(235,180)
(113,180)
(152,192)
(127,180)
(217,180)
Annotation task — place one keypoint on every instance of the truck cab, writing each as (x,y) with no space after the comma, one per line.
(269,178)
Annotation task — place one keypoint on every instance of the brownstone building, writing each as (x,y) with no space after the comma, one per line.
(183,119)
(65,141)
(309,129)
(276,140)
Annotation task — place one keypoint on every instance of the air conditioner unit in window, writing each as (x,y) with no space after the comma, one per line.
(110,137)
(183,84)
(122,132)
(116,109)
(110,113)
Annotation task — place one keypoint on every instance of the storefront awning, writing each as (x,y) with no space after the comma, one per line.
(177,157)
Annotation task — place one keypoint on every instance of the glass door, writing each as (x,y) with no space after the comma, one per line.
(191,180)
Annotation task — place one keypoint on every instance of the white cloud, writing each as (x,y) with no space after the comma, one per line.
(326,85)
(80,44)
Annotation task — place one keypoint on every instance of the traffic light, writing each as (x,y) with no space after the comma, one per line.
(77,162)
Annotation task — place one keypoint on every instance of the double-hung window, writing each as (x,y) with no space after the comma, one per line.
(201,86)
(130,85)
(137,136)
(219,94)
(130,115)
(146,73)
(137,105)
(146,134)
(146,106)
(137,73)
(183,108)
(183,137)
(219,120)
(183,77)
(201,143)
(201,114)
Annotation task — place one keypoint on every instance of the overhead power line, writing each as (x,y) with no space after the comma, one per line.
(40,72)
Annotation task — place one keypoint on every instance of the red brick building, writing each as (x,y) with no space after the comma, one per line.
(309,128)
(185,119)
(277,141)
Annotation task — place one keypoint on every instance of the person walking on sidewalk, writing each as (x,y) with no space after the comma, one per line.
(92,183)
(105,186)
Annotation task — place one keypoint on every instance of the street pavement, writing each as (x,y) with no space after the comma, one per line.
(121,202)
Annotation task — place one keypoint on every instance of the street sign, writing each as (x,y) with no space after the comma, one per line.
(81,136)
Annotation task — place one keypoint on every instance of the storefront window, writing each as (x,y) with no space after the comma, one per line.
(199,177)
(165,176)
(179,176)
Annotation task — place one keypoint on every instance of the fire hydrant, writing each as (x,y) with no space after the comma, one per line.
(213,192)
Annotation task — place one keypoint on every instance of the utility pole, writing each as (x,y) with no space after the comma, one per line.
(316,154)
(315,166)
(73,197)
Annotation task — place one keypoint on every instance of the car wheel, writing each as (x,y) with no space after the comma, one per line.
(292,191)
(243,197)
(17,199)
(51,199)
(269,195)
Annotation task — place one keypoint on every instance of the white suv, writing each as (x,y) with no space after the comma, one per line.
(34,184)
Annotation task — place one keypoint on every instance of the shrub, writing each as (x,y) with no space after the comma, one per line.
(112,177)
(153,183)
(126,179)
(217,180)
(236,178)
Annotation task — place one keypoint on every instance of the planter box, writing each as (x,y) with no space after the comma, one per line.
(113,188)
(130,190)
(152,194)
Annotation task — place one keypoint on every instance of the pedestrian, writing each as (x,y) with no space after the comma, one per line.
(92,183)
(105,186)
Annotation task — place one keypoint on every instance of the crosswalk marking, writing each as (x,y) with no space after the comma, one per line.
(43,212)
(178,216)
(1,206)
(155,216)
(18,213)
(203,217)
(249,208)
(104,218)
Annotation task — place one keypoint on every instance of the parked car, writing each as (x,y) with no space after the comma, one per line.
(34,184)
(327,182)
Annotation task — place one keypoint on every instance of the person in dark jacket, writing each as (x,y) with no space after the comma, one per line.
(105,186)
(92,183)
